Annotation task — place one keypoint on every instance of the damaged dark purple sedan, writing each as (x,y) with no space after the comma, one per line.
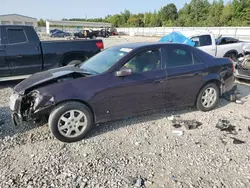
(118,82)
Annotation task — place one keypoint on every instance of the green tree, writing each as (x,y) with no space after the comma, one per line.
(247,16)
(136,20)
(199,12)
(155,20)
(147,18)
(168,12)
(125,15)
(226,15)
(185,18)
(116,20)
(215,13)
(41,23)
(195,13)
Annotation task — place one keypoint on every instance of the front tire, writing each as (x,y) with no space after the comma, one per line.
(208,97)
(70,121)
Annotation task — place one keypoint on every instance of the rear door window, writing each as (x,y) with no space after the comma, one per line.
(203,40)
(16,36)
(179,56)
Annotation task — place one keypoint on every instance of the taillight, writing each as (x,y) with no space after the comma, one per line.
(100,45)
(233,67)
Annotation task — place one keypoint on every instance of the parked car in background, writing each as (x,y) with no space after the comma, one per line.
(60,34)
(113,31)
(92,34)
(87,33)
(207,42)
(54,30)
(104,33)
(23,54)
(121,81)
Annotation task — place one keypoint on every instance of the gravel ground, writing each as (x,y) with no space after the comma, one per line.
(133,152)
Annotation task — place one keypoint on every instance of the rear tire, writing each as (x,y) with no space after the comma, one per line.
(208,97)
(70,121)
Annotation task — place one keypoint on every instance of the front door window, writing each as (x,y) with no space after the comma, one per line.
(145,61)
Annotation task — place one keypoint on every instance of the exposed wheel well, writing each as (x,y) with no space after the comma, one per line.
(80,101)
(231,52)
(72,57)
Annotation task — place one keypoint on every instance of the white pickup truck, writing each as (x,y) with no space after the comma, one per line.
(207,42)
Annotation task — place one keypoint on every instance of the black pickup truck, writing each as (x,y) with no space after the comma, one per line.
(92,34)
(22,53)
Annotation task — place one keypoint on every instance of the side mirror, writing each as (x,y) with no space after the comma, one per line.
(124,72)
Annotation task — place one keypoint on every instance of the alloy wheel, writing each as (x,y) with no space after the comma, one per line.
(209,97)
(72,123)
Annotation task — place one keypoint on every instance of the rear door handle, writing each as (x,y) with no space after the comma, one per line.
(198,73)
(160,80)
(19,56)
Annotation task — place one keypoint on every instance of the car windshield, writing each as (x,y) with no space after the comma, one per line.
(104,60)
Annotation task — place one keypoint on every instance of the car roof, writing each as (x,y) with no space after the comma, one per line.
(146,44)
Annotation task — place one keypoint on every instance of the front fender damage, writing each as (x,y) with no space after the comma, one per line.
(27,103)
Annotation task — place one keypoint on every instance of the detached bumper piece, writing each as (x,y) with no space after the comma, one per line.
(16,118)
(242,76)
(231,95)
(15,105)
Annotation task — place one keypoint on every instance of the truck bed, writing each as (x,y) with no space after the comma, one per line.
(55,50)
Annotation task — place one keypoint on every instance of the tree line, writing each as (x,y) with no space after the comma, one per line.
(197,13)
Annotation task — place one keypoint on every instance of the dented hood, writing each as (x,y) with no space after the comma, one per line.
(45,76)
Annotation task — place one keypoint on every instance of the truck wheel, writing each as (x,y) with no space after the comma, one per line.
(208,97)
(74,62)
(93,37)
(70,121)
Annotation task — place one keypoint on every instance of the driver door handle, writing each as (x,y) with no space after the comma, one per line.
(159,80)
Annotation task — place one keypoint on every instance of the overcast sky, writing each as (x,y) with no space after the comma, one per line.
(58,9)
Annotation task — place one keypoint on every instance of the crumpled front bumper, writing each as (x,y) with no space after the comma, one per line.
(20,114)
(15,106)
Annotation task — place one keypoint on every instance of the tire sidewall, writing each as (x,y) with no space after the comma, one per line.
(59,111)
(199,99)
